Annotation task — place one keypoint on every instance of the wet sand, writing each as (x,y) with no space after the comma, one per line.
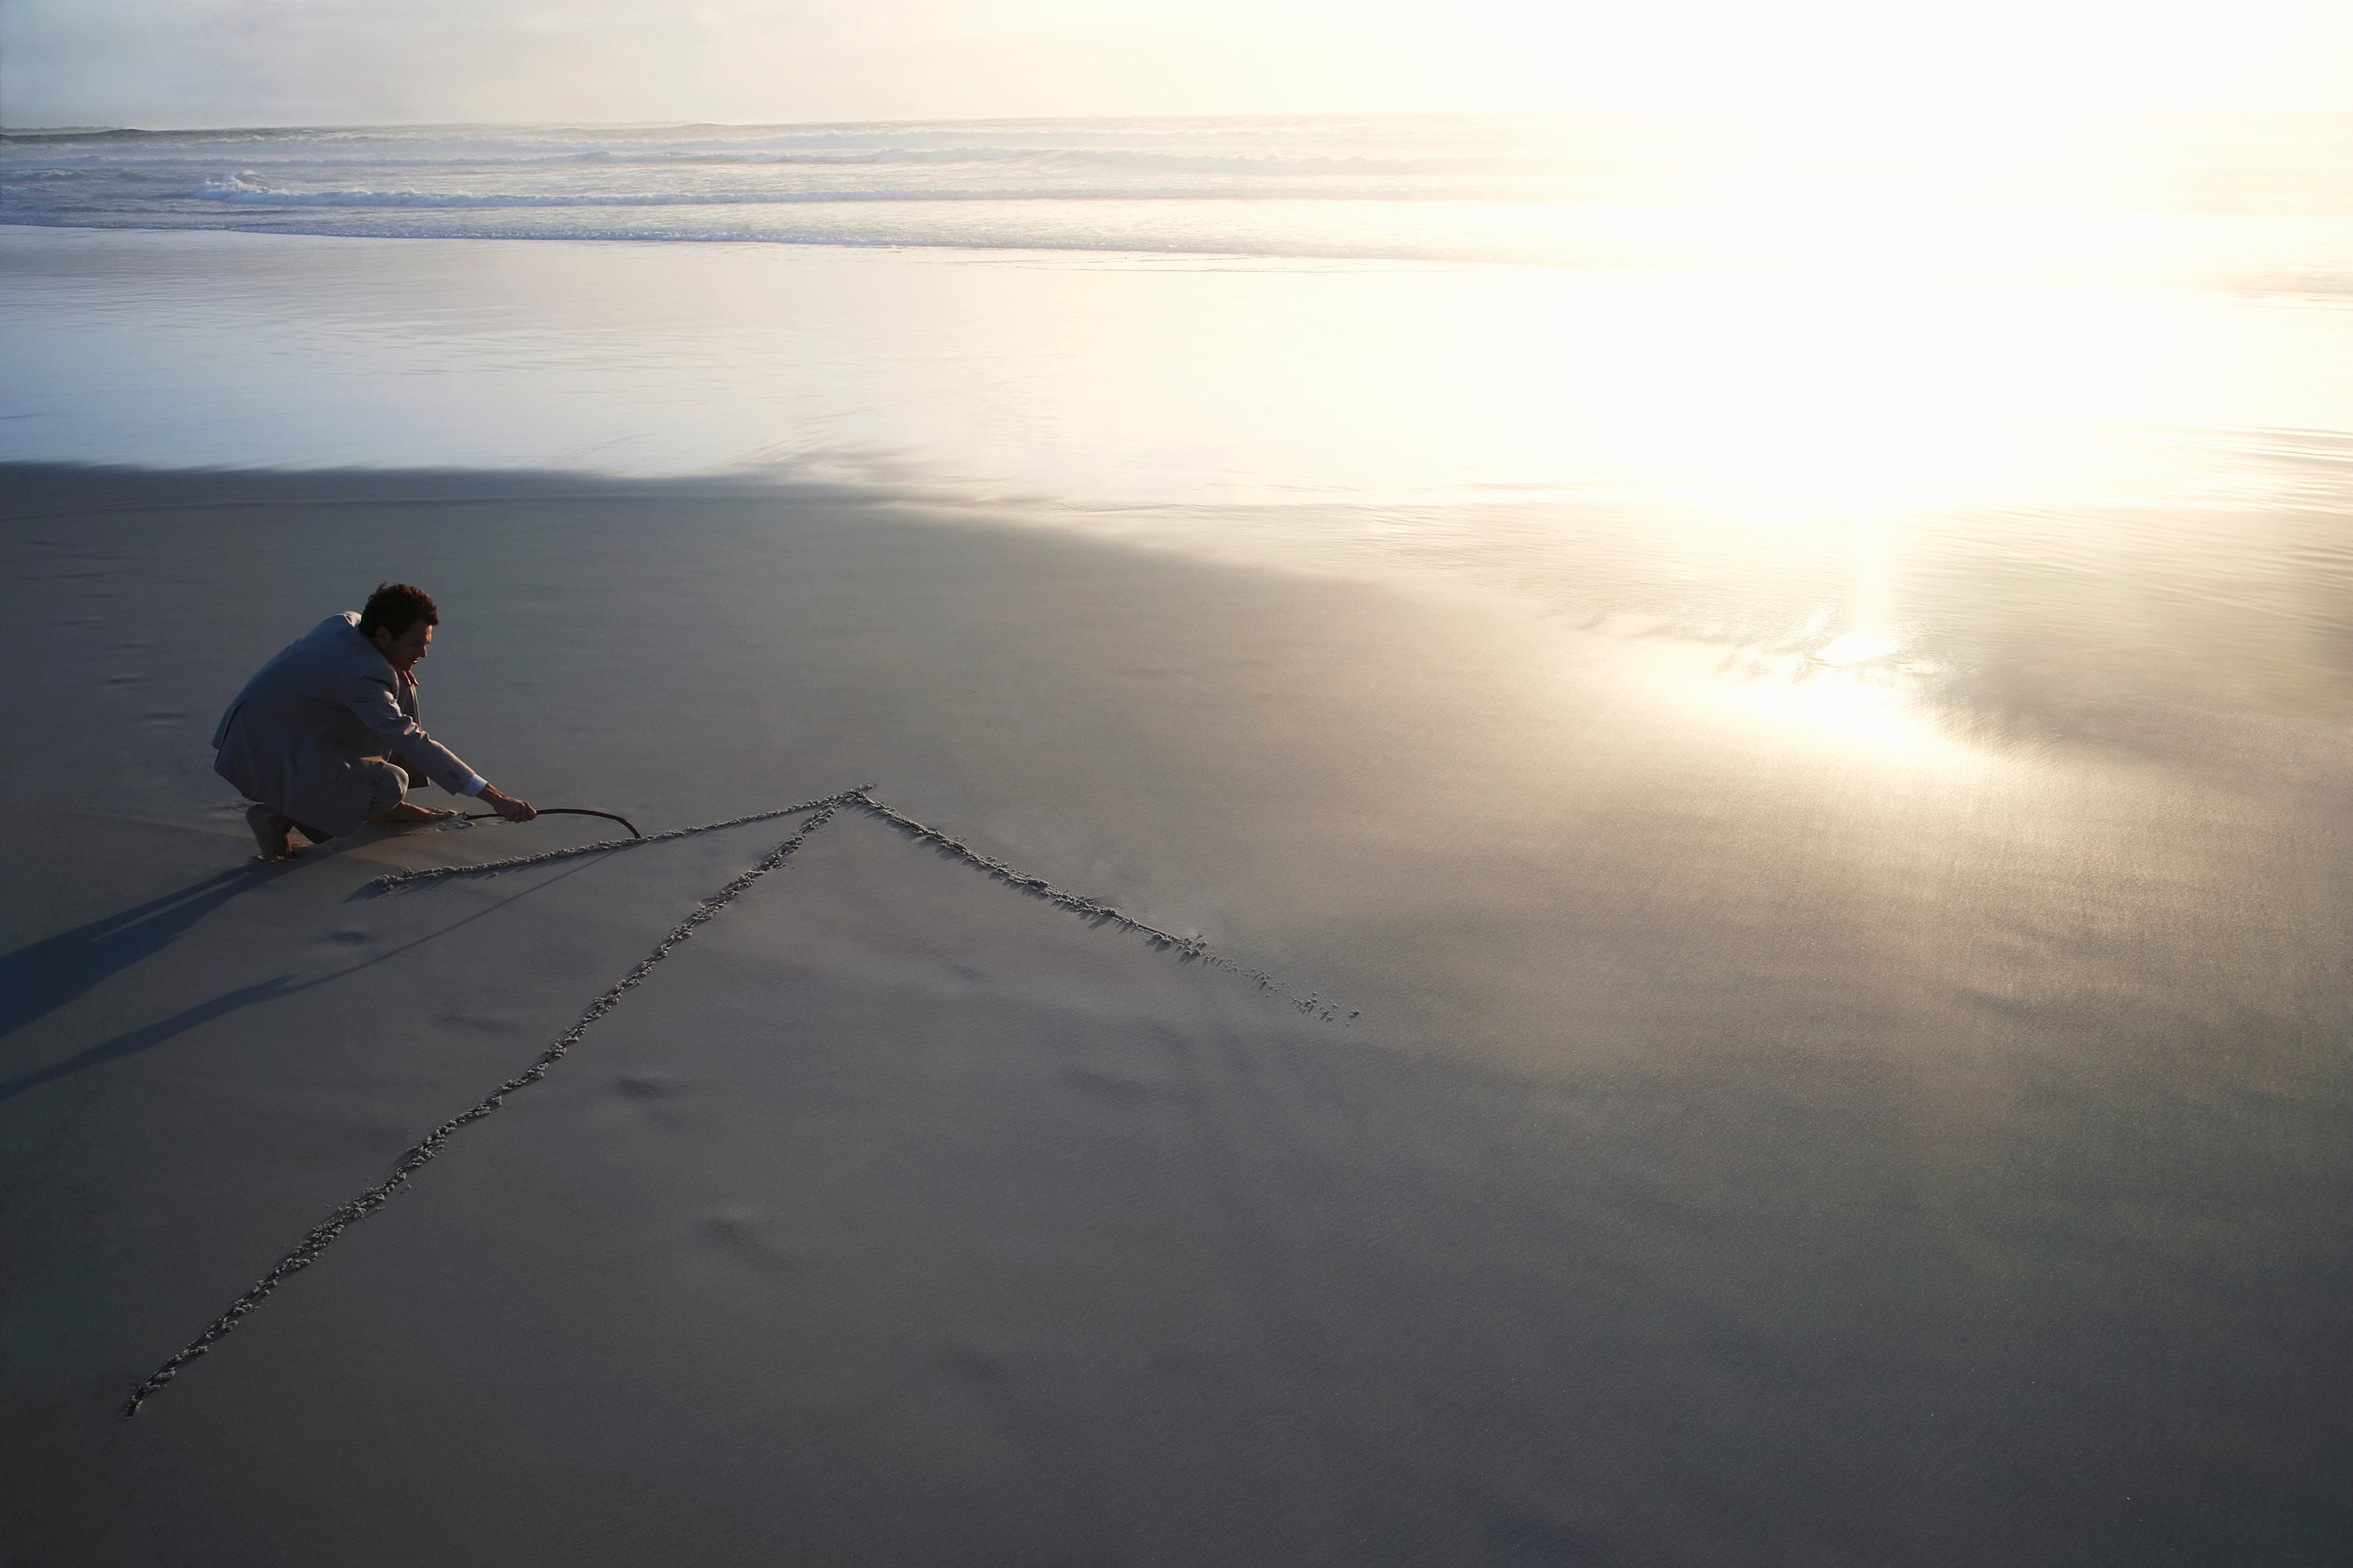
(1774,1127)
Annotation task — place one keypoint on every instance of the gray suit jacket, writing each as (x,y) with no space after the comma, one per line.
(300,737)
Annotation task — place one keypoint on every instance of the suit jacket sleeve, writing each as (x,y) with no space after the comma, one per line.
(378,706)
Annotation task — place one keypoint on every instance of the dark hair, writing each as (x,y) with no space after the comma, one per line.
(395,607)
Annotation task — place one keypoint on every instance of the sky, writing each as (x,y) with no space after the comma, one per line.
(192,63)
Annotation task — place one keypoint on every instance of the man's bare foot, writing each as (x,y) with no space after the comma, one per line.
(271,833)
(407,814)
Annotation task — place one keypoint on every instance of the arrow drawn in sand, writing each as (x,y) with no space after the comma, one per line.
(315,1245)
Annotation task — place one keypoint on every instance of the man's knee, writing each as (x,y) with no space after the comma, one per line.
(387,782)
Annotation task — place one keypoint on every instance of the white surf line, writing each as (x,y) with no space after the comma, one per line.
(308,1250)
(1192,949)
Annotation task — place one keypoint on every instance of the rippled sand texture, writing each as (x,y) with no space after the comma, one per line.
(1785,1123)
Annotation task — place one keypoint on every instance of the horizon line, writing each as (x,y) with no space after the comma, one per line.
(1680,112)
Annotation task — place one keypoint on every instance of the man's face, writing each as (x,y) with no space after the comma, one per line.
(402,652)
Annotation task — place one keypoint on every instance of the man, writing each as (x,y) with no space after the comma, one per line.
(326,732)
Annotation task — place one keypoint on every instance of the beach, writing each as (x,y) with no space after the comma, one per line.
(1730,1141)
(1476,878)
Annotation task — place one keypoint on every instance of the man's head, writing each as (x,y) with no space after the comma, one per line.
(399,621)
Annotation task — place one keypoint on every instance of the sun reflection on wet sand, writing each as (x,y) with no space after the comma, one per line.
(1849,708)
(2037,500)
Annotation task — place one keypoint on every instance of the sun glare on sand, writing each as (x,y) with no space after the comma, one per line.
(1893,336)
(1831,371)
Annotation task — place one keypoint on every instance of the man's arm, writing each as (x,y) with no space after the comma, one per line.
(506,806)
(378,706)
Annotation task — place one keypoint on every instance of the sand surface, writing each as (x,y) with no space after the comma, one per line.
(1768,1131)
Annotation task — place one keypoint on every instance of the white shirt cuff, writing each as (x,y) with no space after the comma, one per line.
(474,785)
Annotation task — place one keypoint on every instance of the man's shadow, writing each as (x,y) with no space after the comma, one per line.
(37,979)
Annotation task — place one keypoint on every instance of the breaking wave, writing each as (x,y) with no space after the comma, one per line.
(1590,191)
(245,191)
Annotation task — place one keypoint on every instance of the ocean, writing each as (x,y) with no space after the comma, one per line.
(2261,203)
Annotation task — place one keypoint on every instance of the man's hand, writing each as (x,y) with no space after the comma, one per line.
(508,806)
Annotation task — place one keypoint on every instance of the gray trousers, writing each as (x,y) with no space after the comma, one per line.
(390,779)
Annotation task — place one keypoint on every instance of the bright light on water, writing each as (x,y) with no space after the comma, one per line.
(2000,414)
